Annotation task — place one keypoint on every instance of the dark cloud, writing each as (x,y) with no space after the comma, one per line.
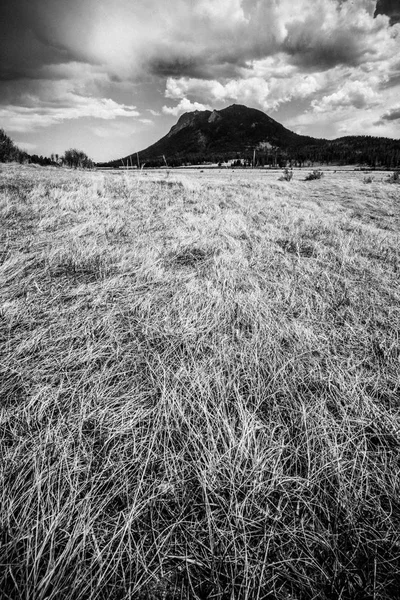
(313,49)
(199,67)
(322,40)
(391,8)
(24,50)
(391,115)
(175,66)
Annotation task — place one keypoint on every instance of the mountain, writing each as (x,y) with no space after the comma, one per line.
(228,133)
(237,131)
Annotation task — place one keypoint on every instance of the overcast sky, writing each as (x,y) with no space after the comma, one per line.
(111,76)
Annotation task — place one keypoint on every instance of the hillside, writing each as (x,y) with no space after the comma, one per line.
(238,131)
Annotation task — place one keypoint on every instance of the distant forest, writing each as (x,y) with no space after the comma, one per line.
(372,152)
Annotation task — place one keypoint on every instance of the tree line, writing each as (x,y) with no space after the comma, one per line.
(72,158)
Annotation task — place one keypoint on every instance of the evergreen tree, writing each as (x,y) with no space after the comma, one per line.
(8,150)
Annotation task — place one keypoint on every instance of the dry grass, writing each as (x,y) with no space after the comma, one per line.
(199,385)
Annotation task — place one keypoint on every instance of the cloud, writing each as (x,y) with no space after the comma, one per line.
(28,118)
(345,119)
(355,94)
(393,114)
(114,129)
(59,93)
(184,106)
(325,34)
(389,7)
(251,90)
(199,38)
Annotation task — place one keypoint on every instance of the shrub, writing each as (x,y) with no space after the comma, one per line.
(394,177)
(316,174)
(368,179)
(77,159)
(287,174)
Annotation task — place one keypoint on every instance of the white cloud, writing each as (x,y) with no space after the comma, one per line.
(266,93)
(28,118)
(114,129)
(184,106)
(355,94)
(345,119)
(228,11)
(60,93)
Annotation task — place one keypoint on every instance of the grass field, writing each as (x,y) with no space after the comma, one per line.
(199,386)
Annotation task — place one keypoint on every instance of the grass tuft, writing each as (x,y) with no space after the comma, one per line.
(191,256)
(316,174)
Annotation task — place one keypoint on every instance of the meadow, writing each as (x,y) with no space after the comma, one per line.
(199,385)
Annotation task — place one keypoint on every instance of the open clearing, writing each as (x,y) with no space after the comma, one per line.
(199,385)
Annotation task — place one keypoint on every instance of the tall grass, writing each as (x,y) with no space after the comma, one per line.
(199,387)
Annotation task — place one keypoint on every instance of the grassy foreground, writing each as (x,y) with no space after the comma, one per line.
(199,386)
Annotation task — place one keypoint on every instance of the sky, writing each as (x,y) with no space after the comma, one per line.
(111,77)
